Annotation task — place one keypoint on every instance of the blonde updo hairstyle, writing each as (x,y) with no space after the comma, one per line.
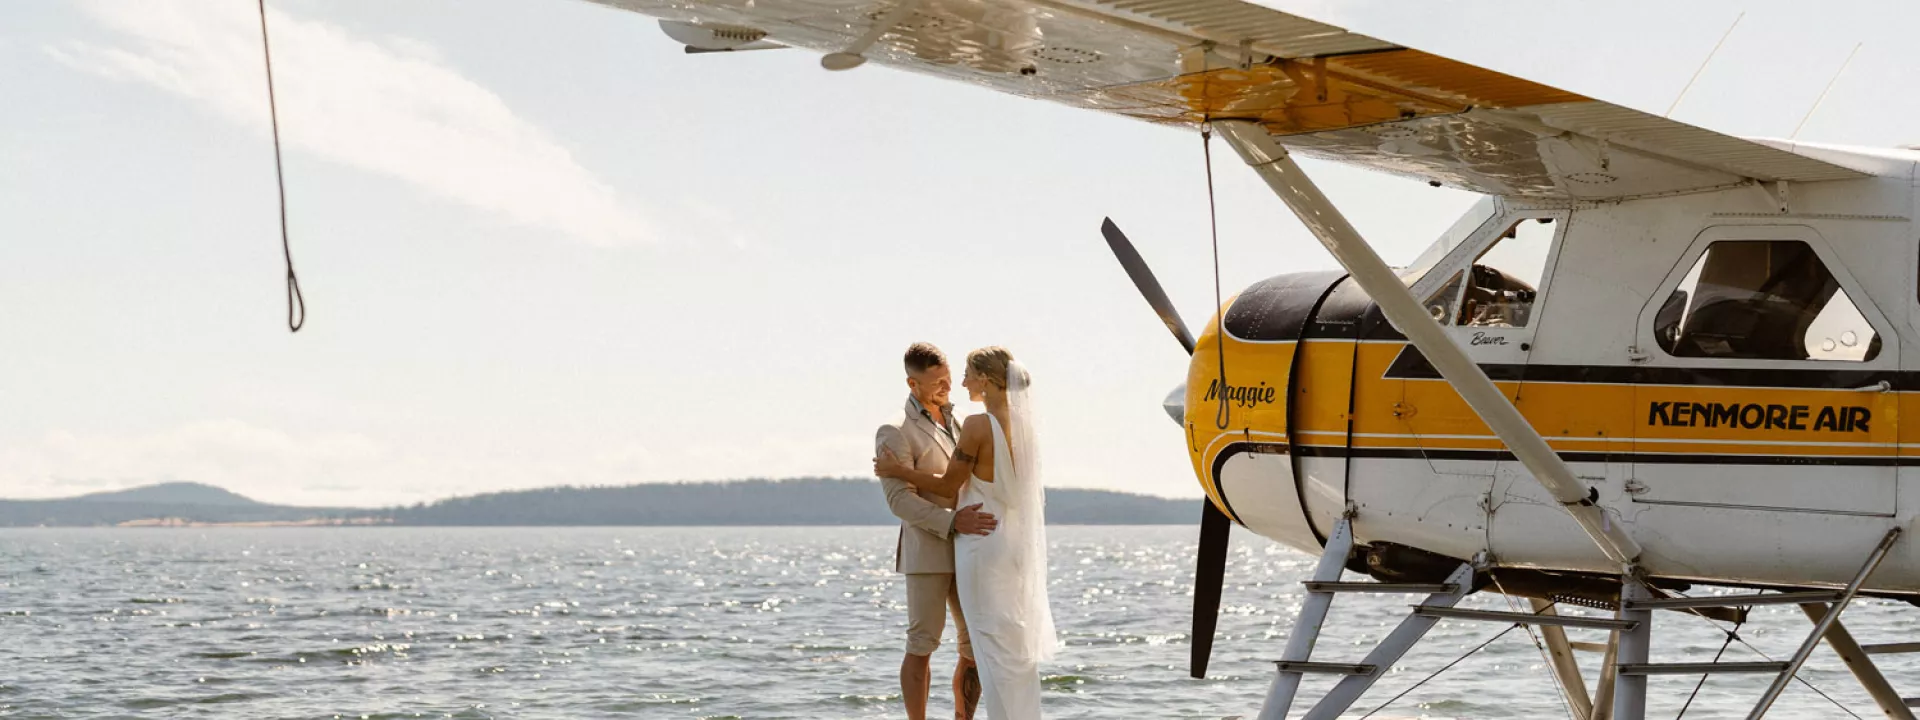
(991,364)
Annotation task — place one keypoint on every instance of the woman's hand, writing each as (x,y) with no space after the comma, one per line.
(888,466)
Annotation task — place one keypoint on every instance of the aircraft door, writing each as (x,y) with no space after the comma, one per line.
(1496,317)
(1764,390)
(1487,304)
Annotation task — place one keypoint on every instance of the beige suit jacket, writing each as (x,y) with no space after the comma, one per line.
(926,529)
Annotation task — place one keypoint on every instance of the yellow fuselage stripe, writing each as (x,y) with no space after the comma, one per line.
(1426,414)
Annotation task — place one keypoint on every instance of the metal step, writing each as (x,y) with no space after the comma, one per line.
(1325,668)
(1380,587)
(1717,601)
(1700,668)
(1890,648)
(1525,618)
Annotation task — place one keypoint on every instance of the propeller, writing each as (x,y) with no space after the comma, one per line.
(1143,279)
(1210,567)
(1209,574)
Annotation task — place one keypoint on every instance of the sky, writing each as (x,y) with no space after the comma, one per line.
(541,246)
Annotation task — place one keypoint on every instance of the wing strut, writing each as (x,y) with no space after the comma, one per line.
(1284,176)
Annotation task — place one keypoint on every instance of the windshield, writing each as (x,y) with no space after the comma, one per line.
(1462,229)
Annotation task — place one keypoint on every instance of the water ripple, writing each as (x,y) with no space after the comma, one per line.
(712,623)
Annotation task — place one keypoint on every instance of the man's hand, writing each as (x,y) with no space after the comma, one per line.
(970,521)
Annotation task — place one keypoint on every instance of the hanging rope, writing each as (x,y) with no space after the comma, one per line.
(1222,417)
(296,302)
(1436,673)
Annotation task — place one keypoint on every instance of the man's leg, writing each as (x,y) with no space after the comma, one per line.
(966,675)
(926,618)
(915,684)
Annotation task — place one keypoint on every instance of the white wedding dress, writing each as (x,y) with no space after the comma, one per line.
(1002,577)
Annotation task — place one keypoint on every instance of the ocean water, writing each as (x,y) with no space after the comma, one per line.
(727,622)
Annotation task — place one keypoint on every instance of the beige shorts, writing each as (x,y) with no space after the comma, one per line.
(929,597)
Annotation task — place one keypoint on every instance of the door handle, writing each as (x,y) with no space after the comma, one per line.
(1882,386)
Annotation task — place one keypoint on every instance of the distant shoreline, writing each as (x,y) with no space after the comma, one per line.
(799,502)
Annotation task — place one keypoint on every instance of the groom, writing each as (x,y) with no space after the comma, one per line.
(923,437)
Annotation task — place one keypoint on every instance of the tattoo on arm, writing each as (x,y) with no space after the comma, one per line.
(963,456)
(970,693)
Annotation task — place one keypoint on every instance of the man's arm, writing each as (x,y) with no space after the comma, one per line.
(901,499)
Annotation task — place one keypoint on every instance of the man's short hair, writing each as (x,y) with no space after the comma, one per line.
(922,357)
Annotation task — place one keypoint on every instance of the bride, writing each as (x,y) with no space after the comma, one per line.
(1002,577)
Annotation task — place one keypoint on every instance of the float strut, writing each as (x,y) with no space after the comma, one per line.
(1630,691)
(1862,666)
(1565,667)
(1390,650)
(1827,620)
(1609,673)
(1306,629)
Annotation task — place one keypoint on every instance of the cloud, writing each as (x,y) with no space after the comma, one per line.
(391,106)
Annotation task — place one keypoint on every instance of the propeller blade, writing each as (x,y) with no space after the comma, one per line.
(1143,279)
(1209,575)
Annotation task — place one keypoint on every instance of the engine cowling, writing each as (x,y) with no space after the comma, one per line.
(1283,345)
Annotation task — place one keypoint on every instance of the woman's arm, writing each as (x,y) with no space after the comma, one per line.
(973,437)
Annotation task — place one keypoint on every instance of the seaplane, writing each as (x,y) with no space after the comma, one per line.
(1654,358)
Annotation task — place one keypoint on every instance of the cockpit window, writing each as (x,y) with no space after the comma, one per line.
(1501,287)
(1763,299)
(1459,232)
(1445,300)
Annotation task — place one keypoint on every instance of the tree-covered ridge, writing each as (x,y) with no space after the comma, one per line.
(799,501)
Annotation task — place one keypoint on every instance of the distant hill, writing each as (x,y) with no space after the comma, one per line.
(175,493)
(800,501)
(179,503)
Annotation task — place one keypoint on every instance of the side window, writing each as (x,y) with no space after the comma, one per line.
(1763,299)
(1501,286)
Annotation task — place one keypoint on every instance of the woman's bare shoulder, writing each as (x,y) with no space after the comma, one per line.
(973,429)
(975,440)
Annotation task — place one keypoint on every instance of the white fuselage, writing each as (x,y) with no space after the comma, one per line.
(1727,377)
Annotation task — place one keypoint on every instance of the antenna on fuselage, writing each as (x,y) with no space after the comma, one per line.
(1823,91)
(1703,64)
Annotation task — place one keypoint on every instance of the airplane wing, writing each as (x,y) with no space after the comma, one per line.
(1325,92)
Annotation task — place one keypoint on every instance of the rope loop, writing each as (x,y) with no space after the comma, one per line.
(296,301)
